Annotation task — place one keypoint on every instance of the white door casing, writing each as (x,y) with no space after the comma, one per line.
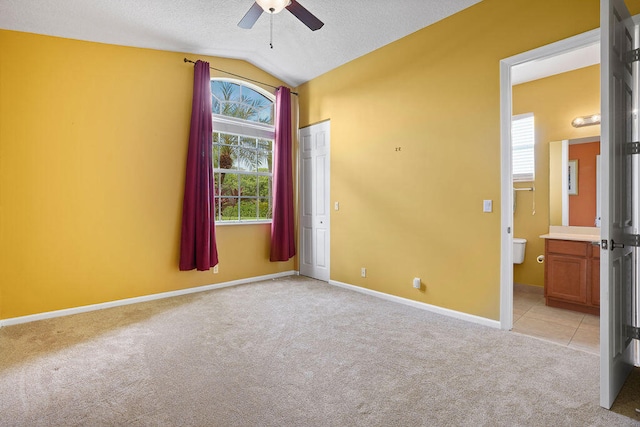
(617,255)
(315,214)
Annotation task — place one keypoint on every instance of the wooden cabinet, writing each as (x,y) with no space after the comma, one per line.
(572,275)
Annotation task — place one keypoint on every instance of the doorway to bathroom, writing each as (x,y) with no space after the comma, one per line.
(562,192)
(549,197)
(529,82)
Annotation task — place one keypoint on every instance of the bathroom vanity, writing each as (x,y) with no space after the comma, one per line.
(572,251)
(572,271)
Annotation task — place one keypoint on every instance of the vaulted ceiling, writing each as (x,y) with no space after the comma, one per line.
(209,27)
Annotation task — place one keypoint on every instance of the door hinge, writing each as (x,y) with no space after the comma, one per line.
(632,147)
(633,332)
(633,240)
(633,55)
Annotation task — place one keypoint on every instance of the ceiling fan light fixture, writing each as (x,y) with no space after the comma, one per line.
(273,6)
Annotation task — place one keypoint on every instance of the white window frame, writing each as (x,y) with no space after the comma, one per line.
(244,128)
(523,144)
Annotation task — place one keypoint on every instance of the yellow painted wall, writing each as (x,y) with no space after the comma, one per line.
(418,212)
(93,143)
(554,101)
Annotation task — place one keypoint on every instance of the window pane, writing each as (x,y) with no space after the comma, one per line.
(264,186)
(248,209)
(247,142)
(224,91)
(248,185)
(264,161)
(265,144)
(229,184)
(215,105)
(216,184)
(243,159)
(229,209)
(216,209)
(264,209)
(228,139)
(256,106)
(234,100)
(247,154)
(216,155)
(266,114)
(226,151)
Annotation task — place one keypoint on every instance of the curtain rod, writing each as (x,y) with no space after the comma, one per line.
(242,77)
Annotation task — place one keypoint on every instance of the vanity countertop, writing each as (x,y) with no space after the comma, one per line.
(576,237)
(578,234)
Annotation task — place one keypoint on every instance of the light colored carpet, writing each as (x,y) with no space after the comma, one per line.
(628,401)
(291,352)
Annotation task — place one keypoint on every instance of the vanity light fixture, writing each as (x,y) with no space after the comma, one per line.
(581,121)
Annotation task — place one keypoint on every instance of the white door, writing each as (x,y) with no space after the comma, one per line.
(314,201)
(618,225)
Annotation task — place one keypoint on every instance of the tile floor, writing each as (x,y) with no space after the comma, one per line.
(532,317)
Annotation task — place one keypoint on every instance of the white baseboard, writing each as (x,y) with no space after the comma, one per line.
(421,305)
(86,308)
(117,303)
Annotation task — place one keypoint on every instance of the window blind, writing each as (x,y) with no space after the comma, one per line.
(522,147)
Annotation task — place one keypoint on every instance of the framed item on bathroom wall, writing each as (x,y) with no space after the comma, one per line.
(573,177)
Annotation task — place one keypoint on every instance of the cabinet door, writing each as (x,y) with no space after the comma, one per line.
(567,278)
(595,277)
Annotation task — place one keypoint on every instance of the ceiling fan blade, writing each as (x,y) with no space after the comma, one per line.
(250,17)
(304,15)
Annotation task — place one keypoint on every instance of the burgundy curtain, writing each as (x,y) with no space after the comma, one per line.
(282,227)
(198,242)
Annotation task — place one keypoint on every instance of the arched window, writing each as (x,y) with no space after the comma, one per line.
(243,135)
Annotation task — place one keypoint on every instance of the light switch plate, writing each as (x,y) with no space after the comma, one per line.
(487,205)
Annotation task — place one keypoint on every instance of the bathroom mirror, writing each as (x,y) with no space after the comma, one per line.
(574,171)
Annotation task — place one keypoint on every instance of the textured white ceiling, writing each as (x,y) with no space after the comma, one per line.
(209,27)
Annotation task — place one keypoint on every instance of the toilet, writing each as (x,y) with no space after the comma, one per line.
(518,250)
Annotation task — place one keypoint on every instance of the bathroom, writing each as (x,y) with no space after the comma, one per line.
(555,102)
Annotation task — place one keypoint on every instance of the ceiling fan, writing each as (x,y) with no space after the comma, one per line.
(274,6)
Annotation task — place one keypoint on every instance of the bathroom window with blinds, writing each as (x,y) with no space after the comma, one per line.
(522,147)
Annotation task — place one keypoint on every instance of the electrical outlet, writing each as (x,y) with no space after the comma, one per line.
(215,269)
(363,272)
(416,283)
